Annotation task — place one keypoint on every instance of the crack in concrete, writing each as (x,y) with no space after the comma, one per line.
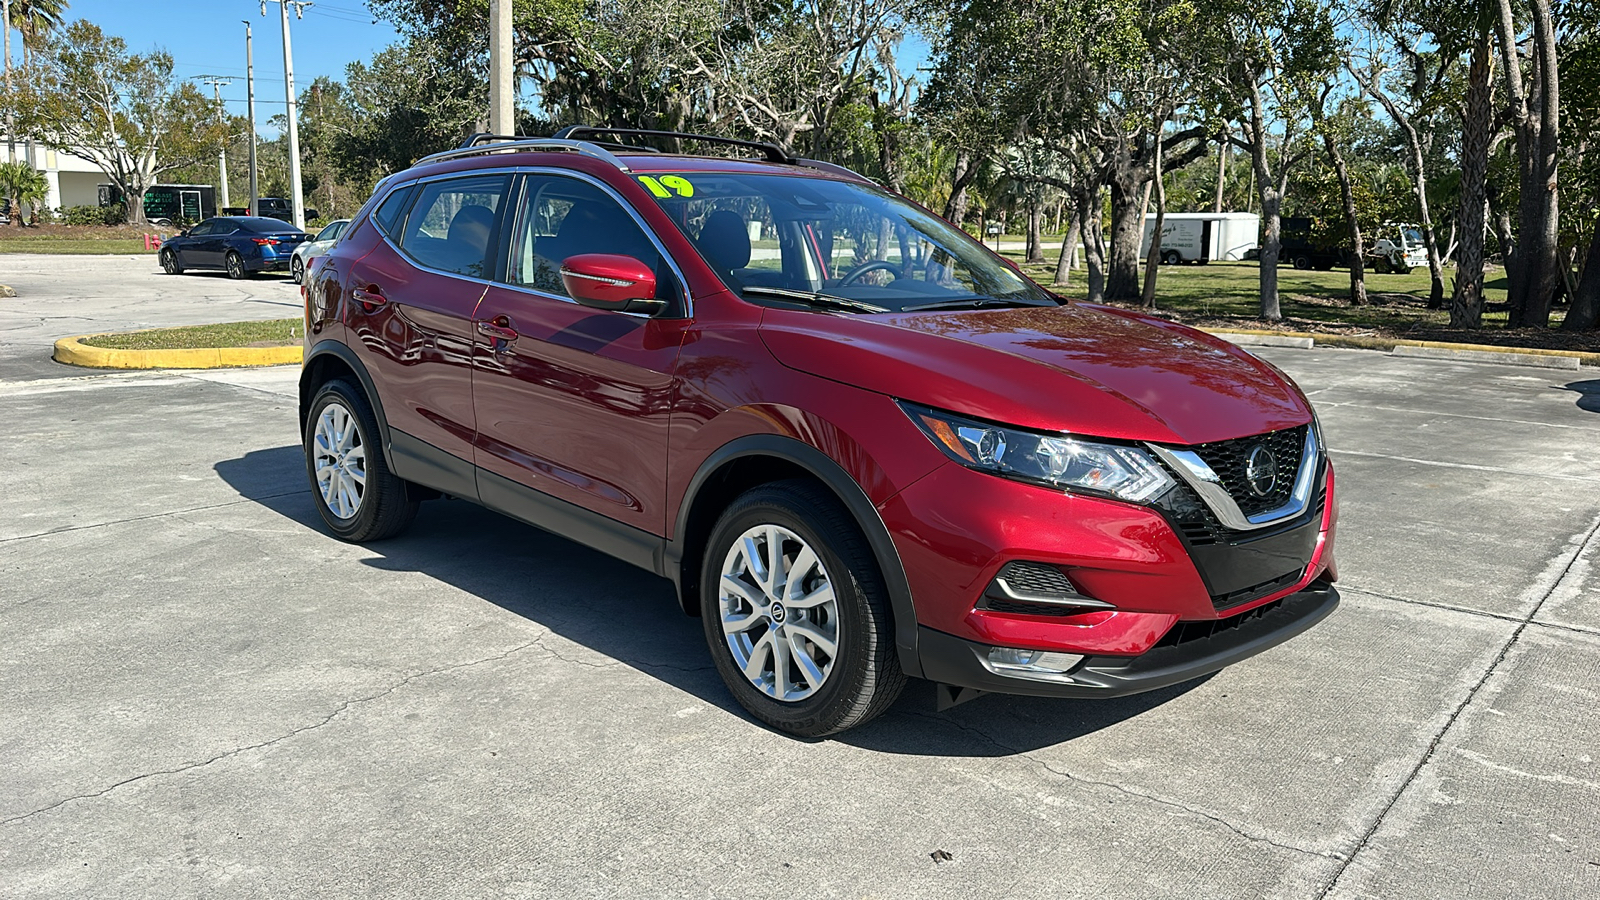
(1480,613)
(160,515)
(1571,556)
(613,662)
(189,767)
(1234,827)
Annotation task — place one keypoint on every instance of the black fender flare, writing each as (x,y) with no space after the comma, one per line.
(833,475)
(342,352)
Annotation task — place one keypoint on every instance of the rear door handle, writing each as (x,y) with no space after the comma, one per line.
(369,297)
(497,330)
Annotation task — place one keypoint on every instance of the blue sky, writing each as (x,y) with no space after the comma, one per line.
(206,37)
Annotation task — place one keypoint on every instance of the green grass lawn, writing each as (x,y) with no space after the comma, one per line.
(56,245)
(1232,290)
(271,333)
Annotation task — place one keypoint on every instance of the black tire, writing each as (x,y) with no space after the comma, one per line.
(387,504)
(170,263)
(297,270)
(1171,258)
(234,263)
(865,677)
(1302,262)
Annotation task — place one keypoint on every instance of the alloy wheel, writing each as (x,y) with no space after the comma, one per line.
(778,612)
(235,266)
(340,459)
(298,270)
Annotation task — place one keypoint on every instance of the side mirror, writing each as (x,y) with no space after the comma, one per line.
(611,281)
(183,233)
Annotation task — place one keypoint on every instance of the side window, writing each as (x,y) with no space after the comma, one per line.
(203,229)
(220,228)
(388,215)
(451,225)
(563,217)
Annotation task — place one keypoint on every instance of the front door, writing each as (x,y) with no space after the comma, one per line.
(414,297)
(573,402)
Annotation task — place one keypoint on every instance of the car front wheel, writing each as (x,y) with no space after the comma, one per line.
(297,270)
(357,496)
(170,264)
(796,613)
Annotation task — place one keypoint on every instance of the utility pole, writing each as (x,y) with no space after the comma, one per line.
(250,89)
(297,194)
(216,82)
(502,86)
(11,123)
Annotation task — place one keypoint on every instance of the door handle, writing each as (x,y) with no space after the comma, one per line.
(369,296)
(499,329)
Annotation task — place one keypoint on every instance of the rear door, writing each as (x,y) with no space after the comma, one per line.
(573,402)
(412,301)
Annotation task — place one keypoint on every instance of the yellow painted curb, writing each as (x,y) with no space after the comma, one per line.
(1361,342)
(73,352)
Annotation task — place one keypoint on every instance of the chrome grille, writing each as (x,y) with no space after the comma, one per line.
(1229,460)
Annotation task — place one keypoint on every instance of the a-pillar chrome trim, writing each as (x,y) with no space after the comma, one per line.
(1198,475)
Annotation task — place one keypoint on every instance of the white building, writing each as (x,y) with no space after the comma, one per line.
(74,181)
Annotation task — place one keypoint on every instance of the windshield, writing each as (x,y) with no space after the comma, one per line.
(781,239)
(1413,237)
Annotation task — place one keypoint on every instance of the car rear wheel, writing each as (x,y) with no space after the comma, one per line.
(297,270)
(357,496)
(235,266)
(796,613)
(1171,258)
(170,264)
(1302,262)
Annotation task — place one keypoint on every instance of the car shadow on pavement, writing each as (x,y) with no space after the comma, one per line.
(1589,394)
(632,617)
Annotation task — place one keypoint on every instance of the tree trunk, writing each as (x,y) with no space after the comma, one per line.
(1152,264)
(955,209)
(1466,306)
(1358,269)
(1222,170)
(1094,248)
(1584,313)
(1122,281)
(1069,251)
(1533,273)
(1035,252)
(1272,238)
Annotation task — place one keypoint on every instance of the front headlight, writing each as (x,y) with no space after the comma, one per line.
(1059,460)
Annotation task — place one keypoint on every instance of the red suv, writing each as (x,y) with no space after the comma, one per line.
(860,445)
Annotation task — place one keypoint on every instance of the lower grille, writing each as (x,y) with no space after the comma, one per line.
(1186,632)
(1037,578)
(1255,591)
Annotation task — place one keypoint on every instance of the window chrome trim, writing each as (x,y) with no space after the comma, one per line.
(1198,475)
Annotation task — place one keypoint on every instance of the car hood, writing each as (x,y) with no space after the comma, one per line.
(1080,368)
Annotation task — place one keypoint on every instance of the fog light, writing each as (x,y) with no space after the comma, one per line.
(1038,665)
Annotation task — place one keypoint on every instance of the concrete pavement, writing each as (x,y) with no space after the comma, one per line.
(202,694)
(59,296)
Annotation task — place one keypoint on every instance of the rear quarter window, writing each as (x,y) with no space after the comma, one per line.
(392,210)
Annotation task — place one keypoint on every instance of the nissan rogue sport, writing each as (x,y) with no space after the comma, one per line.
(861,446)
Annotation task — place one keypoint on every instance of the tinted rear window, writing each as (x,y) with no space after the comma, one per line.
(394,206)
(263,225)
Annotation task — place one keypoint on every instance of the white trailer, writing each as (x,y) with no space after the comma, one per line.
(1202,237)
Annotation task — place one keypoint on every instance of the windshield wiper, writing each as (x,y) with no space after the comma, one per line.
(816,299)
(970,303)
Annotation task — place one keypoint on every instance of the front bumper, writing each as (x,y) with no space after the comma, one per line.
(1184,654)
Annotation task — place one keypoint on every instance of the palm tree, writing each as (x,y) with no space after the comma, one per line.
(36,19)
(24,186)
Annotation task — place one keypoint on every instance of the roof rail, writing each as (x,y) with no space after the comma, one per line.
(478,145)
(772,152)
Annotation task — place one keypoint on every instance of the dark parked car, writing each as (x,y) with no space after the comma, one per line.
(238,245)
(279,208)
(860,445)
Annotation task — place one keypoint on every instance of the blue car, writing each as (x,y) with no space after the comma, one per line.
(238,245)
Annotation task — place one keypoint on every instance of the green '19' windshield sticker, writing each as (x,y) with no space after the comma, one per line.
(678,184)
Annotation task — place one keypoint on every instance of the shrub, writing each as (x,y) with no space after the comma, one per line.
(115,214)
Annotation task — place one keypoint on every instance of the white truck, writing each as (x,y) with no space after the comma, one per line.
(1202,237)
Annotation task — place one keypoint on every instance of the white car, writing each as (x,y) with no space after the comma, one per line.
(312,249)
